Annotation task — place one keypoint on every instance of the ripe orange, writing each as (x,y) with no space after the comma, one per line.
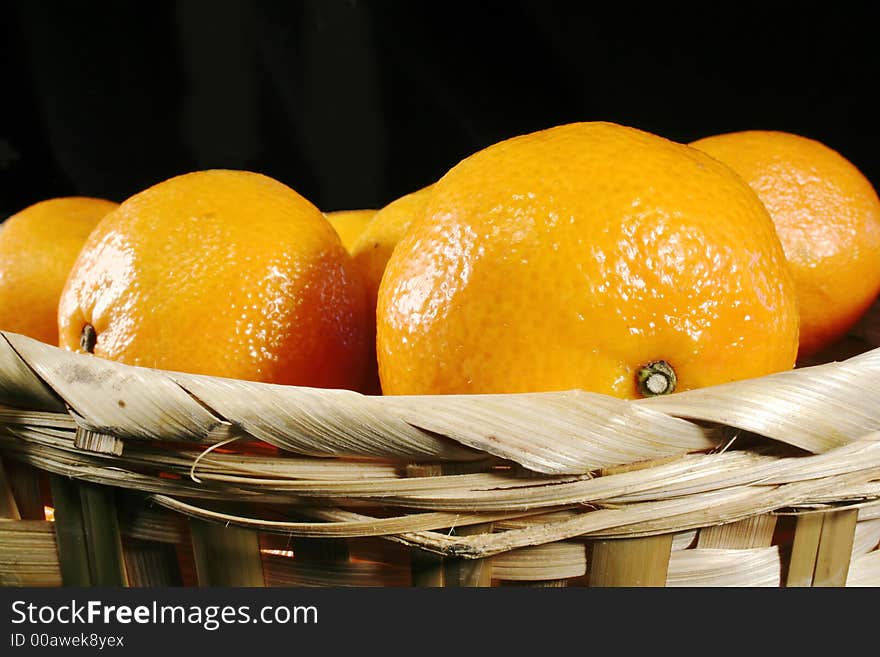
(38,246)
(372,249)
(228,273)
(374,246)
(349,224)
(827,215)
(591,256)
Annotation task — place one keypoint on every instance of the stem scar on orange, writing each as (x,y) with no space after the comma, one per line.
(592,256)
(227,273)
(827,215)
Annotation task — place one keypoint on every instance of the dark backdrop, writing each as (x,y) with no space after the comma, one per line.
(354,103)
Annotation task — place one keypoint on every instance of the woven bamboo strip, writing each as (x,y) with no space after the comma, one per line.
(95,387)
(570,432)
(699,520)
(865,570)
(725,567)
(56,420)
(839,401)
(642,519)
(553,561)
(577,431)
(684,540)
(28,554)
(486,491)
(867,537)
(354,526)
(319,422)
(869,511)
(815,489)
(19,385)
(753,532)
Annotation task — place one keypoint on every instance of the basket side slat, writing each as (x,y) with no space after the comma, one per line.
(70,532)
(26,486)
(835,548)
(638,562)
(469,572)
(104,543)
(431,570)
(822,548)
(150,563)
(226,556)
(87,533)
(8,507)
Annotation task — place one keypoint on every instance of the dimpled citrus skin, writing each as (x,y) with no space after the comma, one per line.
(219,272)
(38,246)
(349,224)
(827,215)
(571,257)
(373,248)
(375,244)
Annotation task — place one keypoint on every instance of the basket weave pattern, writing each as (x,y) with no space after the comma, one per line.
(162,478)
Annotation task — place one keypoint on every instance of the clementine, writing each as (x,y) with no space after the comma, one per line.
(589,255)
(372,249)
(349,224)
(38,246)
(220,272)
(827,215)
(374,245)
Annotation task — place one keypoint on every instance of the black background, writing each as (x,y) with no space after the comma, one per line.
(354,102)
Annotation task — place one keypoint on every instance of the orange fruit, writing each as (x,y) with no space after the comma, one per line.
(588,255)
(374,245)
(349,224)
(372,249)
(227,273)
(827,215)
(38,246)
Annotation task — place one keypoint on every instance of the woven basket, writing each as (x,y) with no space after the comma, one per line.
(158,478)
